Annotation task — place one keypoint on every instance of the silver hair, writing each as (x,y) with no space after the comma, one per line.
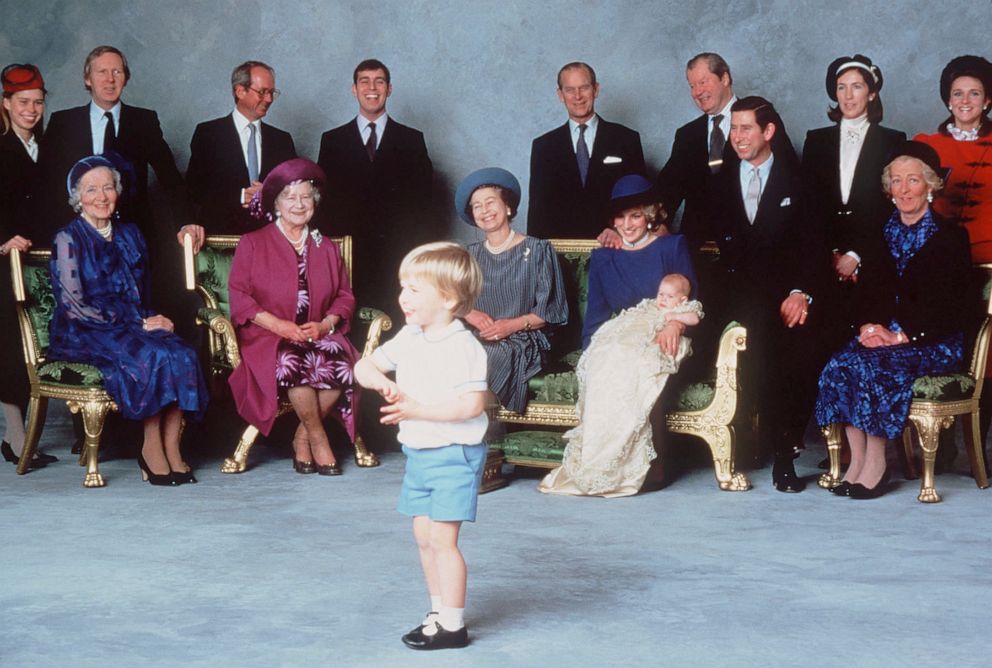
(931,177)
(75,196)
(313,188)
(241,76)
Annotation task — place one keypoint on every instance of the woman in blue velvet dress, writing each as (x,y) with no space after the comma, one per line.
(621,277)
(911,309)
(100,282)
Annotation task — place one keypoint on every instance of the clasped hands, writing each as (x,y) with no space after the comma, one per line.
(846,267)
(489,329)
(157,321)
(873,335)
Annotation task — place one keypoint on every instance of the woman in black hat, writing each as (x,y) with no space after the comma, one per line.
(911,312)
(21,120)
(842,167)
(523,294)
(964,143)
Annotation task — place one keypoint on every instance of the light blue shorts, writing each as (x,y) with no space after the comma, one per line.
(443,483)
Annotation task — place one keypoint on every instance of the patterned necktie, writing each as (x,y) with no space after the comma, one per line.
(109,136)
(370,144)
(582,154)
(753,195)
(252,154)
(717,142)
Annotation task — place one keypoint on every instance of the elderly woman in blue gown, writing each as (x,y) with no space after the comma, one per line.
(101,285)
(912,311)
(523,293)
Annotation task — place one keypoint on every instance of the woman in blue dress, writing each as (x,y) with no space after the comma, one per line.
(621,277)
(911,310)
(523,294)
(101,284)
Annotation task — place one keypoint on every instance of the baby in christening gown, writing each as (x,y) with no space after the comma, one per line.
(622,374)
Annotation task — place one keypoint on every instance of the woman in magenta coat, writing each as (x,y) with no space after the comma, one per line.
(292,307)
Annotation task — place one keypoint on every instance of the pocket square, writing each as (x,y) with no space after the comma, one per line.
(612,160)
(786,202)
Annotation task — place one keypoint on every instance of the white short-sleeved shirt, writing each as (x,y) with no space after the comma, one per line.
(432,370)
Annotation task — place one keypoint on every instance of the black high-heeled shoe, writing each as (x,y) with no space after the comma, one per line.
(39,462)
(184,477)
(859,491)
(161,479)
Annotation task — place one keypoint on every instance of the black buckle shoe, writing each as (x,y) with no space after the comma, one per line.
(435,636)
(785,478)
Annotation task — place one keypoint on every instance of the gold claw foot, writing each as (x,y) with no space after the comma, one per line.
(232,466)
(367,460)
(738,483)
(827,481)
(94,480)
(929,495)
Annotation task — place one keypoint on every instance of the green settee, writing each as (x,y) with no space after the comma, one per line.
(705,410)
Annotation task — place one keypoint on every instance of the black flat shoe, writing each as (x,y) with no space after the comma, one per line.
(303,467)
(427,638)
(843,489)
(329,469)
(859,491)
(416,635)
(160,479)
(39,462)
(785,479)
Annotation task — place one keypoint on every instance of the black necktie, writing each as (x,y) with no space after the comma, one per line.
(582,153)
(109,136)
(717,142)
(370,144)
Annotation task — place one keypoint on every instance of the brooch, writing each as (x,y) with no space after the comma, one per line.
(317,237)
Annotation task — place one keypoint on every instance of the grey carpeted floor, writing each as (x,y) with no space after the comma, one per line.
(270,568)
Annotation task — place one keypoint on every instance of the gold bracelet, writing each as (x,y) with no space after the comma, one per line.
(527,325)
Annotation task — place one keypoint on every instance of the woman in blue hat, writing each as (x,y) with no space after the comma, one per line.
(523,293)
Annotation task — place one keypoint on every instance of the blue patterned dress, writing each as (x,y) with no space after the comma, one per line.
(324,364)
(871,388)
(101,288)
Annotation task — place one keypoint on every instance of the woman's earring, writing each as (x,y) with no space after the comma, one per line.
(509,212)
(929,197)
(893,200)
(950,108)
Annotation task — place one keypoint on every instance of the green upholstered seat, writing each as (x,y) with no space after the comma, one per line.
(70,374)
(543,448)
(213,267)
(954,387)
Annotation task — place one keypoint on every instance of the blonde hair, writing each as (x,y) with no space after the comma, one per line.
(929,176)
(449,268)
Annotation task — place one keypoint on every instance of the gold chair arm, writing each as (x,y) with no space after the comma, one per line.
(220,325)
(379,322)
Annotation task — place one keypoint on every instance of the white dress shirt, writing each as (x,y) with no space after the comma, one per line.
(591,126)
(365,131)
(98,124)
(852,138)
(724,122)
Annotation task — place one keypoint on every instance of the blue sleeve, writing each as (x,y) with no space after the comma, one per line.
(678,260)
(598,308)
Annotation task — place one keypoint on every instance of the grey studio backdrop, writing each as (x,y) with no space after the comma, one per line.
(479,77)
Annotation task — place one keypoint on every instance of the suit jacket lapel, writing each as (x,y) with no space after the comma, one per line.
(869,149)
(563,139)
(231,145)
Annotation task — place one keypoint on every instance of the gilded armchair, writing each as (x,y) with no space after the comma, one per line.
(210,275)
(79,385)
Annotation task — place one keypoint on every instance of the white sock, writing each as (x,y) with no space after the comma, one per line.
(15,429)
(435,603)
(451,619)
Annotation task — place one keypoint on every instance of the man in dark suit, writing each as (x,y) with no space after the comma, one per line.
(573,167)
(104,125)
(379,181)
(700,148)
(231,155)
(770,269)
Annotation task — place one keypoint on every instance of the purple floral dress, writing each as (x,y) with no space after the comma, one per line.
(324,364)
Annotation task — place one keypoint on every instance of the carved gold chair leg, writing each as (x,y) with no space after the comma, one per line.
(94,414)
(720,440)
(928,427)
(238,462)
(976,454)
(363,457)
(833,434)
(37,409)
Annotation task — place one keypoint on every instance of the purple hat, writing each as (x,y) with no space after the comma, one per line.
(292,171)
(83,166)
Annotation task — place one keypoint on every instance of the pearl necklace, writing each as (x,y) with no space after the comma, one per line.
(106,232)
(634,244)
(496,250)
(297,245)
